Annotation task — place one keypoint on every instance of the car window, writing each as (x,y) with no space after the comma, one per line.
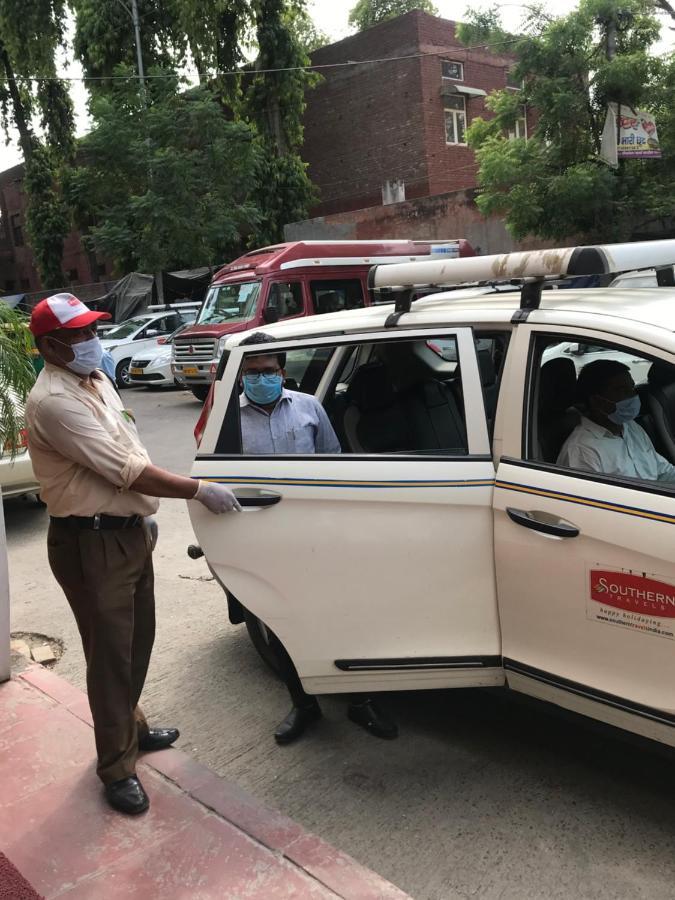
(384,397)
(602,409)
(126,329)
(333,296)
(286,298)
(229,303)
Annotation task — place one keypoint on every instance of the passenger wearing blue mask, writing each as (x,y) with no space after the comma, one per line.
(608,439)
(276,420)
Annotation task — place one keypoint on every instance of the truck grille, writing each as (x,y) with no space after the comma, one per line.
(194,351)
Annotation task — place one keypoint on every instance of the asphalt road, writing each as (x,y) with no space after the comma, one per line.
(479,797)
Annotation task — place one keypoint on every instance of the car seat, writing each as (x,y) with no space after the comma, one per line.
(557,415)
(373,421)
(426,399)
(660,397)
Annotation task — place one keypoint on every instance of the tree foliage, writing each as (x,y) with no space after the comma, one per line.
(16,375)
(554,185)
(260,117)
(167,185)
(31,35)
(370,12)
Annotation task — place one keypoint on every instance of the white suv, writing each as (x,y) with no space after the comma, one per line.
(445,546)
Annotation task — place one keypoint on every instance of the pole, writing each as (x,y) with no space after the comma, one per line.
(4,601)
(139,54)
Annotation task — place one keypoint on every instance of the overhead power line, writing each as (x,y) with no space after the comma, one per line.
(252,72)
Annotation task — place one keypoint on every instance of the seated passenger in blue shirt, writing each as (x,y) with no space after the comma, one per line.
(276,420)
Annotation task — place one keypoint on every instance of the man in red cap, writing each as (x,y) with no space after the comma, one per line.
(99,484)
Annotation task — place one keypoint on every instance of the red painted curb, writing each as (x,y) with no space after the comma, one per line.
(331,867)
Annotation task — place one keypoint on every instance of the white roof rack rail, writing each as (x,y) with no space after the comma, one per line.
(529,268)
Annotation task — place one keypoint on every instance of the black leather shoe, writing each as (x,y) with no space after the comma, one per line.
(368,716)
(295,723)
(158,739)
(127,796)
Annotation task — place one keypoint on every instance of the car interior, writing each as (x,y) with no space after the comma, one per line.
(557,409)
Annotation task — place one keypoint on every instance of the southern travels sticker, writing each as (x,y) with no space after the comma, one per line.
(632,600)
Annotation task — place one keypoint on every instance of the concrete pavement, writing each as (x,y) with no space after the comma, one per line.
(202,839)
(477,798)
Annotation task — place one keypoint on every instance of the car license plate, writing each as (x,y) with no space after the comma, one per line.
(190,370)
(134,370)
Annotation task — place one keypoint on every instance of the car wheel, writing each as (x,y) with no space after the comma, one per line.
(201,391)
(122,376)
(259,634)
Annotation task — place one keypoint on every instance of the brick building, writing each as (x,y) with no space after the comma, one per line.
(18,273)
(394,130)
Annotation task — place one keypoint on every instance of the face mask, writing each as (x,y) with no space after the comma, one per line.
(88,356)
(625,411)
(263,389)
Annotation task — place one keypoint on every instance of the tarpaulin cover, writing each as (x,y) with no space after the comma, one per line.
(187,284)
(130,296)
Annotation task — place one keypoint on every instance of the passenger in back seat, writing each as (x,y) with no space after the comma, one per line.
(608,439)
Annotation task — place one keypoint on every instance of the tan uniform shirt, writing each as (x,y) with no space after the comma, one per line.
(85,449)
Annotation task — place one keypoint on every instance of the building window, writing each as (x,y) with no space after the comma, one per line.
(520,128)
(455,120)
(453,70)
(17,230)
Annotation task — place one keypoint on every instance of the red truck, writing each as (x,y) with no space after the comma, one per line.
(300,278)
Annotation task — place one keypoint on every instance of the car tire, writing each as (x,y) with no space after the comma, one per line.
(258,633)
(122,376)
(201,391)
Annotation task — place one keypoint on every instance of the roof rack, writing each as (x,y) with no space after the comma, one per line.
(531,269)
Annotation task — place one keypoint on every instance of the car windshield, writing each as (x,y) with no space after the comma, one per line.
(126,329)
(230,303)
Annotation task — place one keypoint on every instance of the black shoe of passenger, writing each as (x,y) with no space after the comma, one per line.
(368,716)
(295,722)
(158,739)
(127,796)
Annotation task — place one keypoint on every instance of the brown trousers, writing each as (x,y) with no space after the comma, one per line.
(108,580)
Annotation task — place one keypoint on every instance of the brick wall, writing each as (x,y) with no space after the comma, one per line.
(444,216)
(368,124)
(18,273)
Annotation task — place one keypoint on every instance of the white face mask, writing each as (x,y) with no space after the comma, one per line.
(88,355)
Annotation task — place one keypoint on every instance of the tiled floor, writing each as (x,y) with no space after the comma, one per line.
(202,838)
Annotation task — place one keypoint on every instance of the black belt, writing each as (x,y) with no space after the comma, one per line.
(100,522)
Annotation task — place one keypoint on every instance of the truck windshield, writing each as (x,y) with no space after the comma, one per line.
(229,303)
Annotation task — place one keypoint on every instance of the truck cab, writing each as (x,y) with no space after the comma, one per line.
(288,281)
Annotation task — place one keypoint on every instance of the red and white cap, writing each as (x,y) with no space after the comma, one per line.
(62,311)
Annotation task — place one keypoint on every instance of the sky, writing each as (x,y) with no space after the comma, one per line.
(330,17)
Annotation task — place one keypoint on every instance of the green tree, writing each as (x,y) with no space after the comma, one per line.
(370,12)
(554,185)
(168,185)
(274,101)
(16,375)
(31,35)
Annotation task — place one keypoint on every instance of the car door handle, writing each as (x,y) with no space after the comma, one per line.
(543,522)
(257,498)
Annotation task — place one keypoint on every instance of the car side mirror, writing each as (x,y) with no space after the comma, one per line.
(148,334)
(270,315)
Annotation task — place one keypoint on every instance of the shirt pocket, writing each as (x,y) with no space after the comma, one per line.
(301,438)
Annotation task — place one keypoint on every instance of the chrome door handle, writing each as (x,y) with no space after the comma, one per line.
(543,522)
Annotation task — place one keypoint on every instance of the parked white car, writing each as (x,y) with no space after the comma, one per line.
(445,546)
(151,366)
(138,334)
(16,474)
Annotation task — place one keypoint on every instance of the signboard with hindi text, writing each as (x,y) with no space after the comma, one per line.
(637,137)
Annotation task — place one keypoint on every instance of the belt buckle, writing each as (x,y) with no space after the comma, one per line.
(97,522)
